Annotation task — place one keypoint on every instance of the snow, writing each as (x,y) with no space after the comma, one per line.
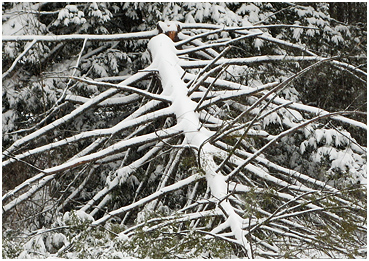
(123,237)
(329,142)
(100,70)
(151,197)
(156,173)
(319,134)
(80,214)
(258,43)
(337,39)
(199,15)
(168,26)
(344,29)
(215,15)
(72,8)
(297,33)
(20,24)
(111,37)
(272,118)
(101,97)
(166,62)
(345,161)
(342,159)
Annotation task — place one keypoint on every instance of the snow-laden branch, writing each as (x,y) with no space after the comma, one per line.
(26,183)
(283,134)
(318,111)
(275,89)
(226,95)
(73,37)
(206,46)
(225,29)
(94,133)
(268,58)
(131,121)
(207,54)
(124,88)
(119,146)
(260,172)
(157,194)
(108,102)
(167,63)
(173,218)
(18,58)
(93,101)
(78,190)
(121,175)
(194,37)
(71,163)
(29,193)
(204,74)
(297,106)
(249,60)
(228,29)
(252,29)
(298,175)
(42,179)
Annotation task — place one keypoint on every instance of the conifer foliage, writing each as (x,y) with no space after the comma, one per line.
(183,130)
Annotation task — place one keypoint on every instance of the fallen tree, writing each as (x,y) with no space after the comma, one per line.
(196,158)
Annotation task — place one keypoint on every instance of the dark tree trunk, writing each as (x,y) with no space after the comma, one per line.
(348,12)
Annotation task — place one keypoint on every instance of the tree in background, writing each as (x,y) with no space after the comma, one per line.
(236,129)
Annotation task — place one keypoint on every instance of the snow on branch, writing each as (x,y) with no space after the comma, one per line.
(124,88)
(93,101)
(108,102)
(194,136)
(285,133)
(161,192)
(94,133)
(251,27)
(297,106)
(73,37)
(119,146)
(19,58)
